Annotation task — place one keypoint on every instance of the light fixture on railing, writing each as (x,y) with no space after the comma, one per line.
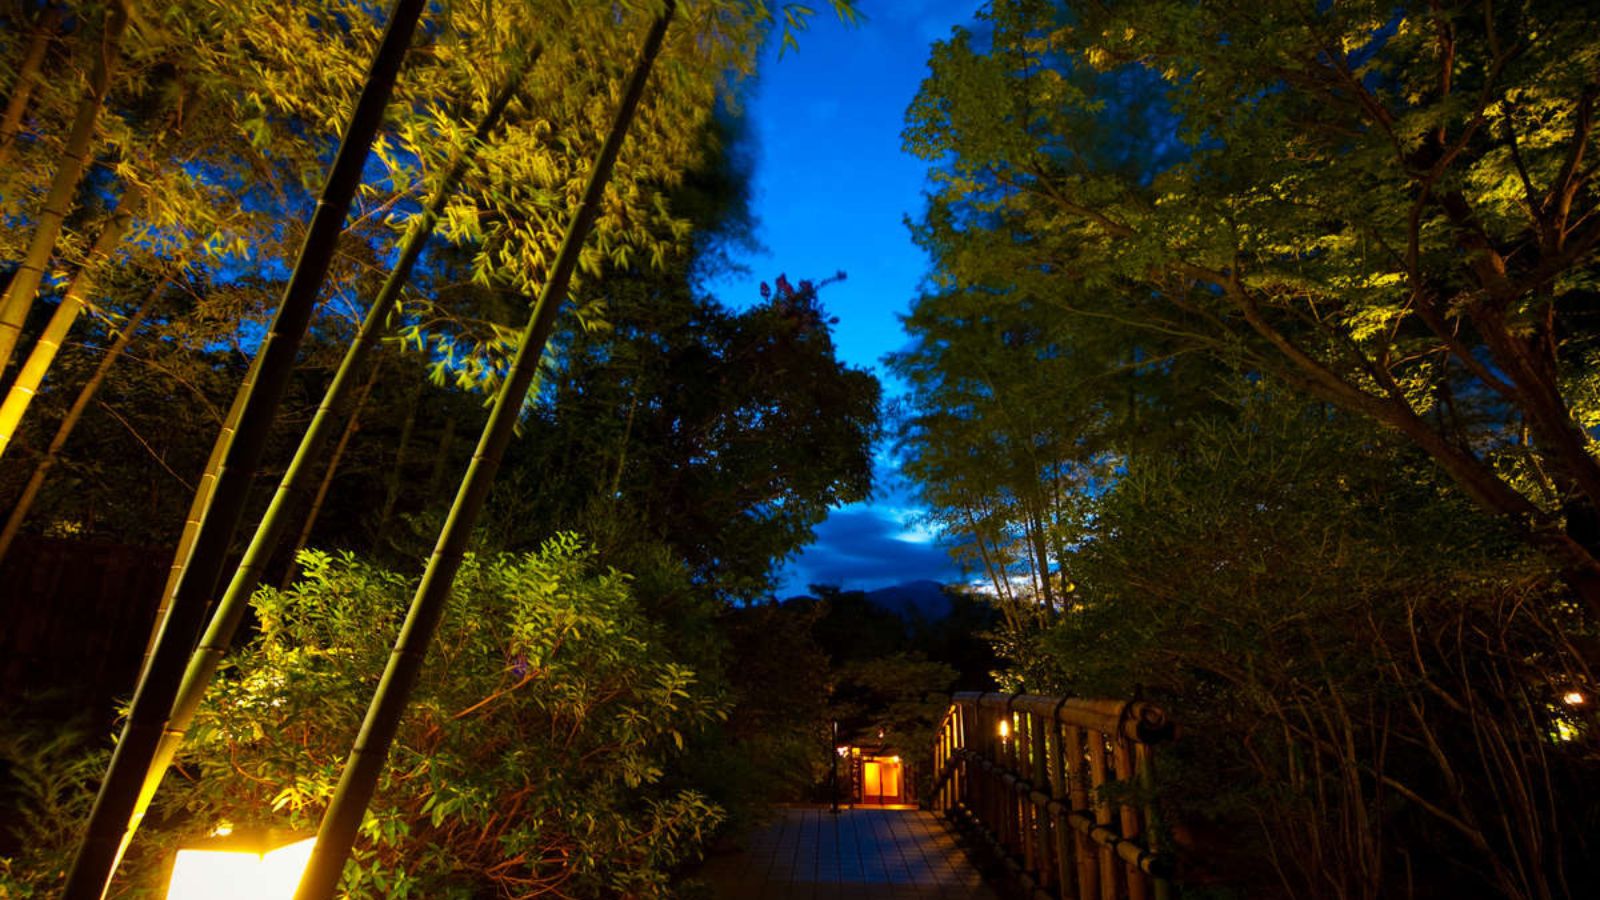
(260,864)
(1005,729)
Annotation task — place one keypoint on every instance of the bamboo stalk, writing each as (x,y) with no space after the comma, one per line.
(391,491)
(52,453)
(113,821)
(197,507)
(340,823)
(351,426)
(203,663)
(24,287)
(43,354)
(44,31)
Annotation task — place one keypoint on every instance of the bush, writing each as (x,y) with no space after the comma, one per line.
(531,761)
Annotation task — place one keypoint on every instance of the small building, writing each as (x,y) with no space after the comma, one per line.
(875,776)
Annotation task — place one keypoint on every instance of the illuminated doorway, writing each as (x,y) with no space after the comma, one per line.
(882,780)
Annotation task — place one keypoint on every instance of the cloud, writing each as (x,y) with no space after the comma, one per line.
(859,547)
(870,545)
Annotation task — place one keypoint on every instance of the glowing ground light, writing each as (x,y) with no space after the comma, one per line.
(1574,698)
(254,865)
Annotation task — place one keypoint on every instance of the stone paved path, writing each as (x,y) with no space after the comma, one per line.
(859,854)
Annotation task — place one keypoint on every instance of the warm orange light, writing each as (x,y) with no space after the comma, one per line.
(843,751)
(260,865)
(1005,729)
(1574,698)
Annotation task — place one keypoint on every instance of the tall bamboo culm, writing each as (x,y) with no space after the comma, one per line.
(111,820)
(1025,774)
(43,353)
(203,663)
(52,453)
(24,287)
(340,824)
(44,31)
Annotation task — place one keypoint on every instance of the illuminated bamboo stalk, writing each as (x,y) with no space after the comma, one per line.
(24,287)
(203,663)
(197,507)
(44,31)
(52,453)
(112,821)
(342,821)
(44,350)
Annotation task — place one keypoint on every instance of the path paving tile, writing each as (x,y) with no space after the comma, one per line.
(856,854)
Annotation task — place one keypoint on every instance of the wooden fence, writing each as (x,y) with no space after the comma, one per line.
(1025,773)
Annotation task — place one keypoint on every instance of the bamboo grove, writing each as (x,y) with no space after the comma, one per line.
(1257,369)
(474,159)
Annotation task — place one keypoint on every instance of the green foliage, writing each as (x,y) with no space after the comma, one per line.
(532,759)
(1364,652)
(1380,205)
(723,436)
(48,772)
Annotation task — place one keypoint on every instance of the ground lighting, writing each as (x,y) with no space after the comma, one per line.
(258,864)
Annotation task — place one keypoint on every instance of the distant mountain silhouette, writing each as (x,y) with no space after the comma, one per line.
(923,599)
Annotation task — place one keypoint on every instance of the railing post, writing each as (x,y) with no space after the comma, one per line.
(1022,749)
(1102,813)
(1122,755)
(1078,789)
(1039,798)
(1152,824)
(1066,883)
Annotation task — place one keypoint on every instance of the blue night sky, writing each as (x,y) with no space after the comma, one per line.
(832,188)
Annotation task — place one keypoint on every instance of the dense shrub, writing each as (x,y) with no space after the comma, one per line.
(531,760)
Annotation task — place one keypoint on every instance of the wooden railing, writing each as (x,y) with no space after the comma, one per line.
(1025,773)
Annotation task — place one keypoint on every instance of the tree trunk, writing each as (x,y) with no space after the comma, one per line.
(350,429)
(337,833)
(44,350)
(113,821)
(44,31)
(24,286)
(52,453)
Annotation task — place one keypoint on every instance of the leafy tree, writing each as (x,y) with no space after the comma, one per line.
(1390,208)
(1379,667)
(724,436)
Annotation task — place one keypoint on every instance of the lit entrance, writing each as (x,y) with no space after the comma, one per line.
(882,780)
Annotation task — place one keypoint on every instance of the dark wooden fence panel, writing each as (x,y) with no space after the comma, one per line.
(74,617)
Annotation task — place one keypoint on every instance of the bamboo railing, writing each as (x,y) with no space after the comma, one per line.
(1025,774)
